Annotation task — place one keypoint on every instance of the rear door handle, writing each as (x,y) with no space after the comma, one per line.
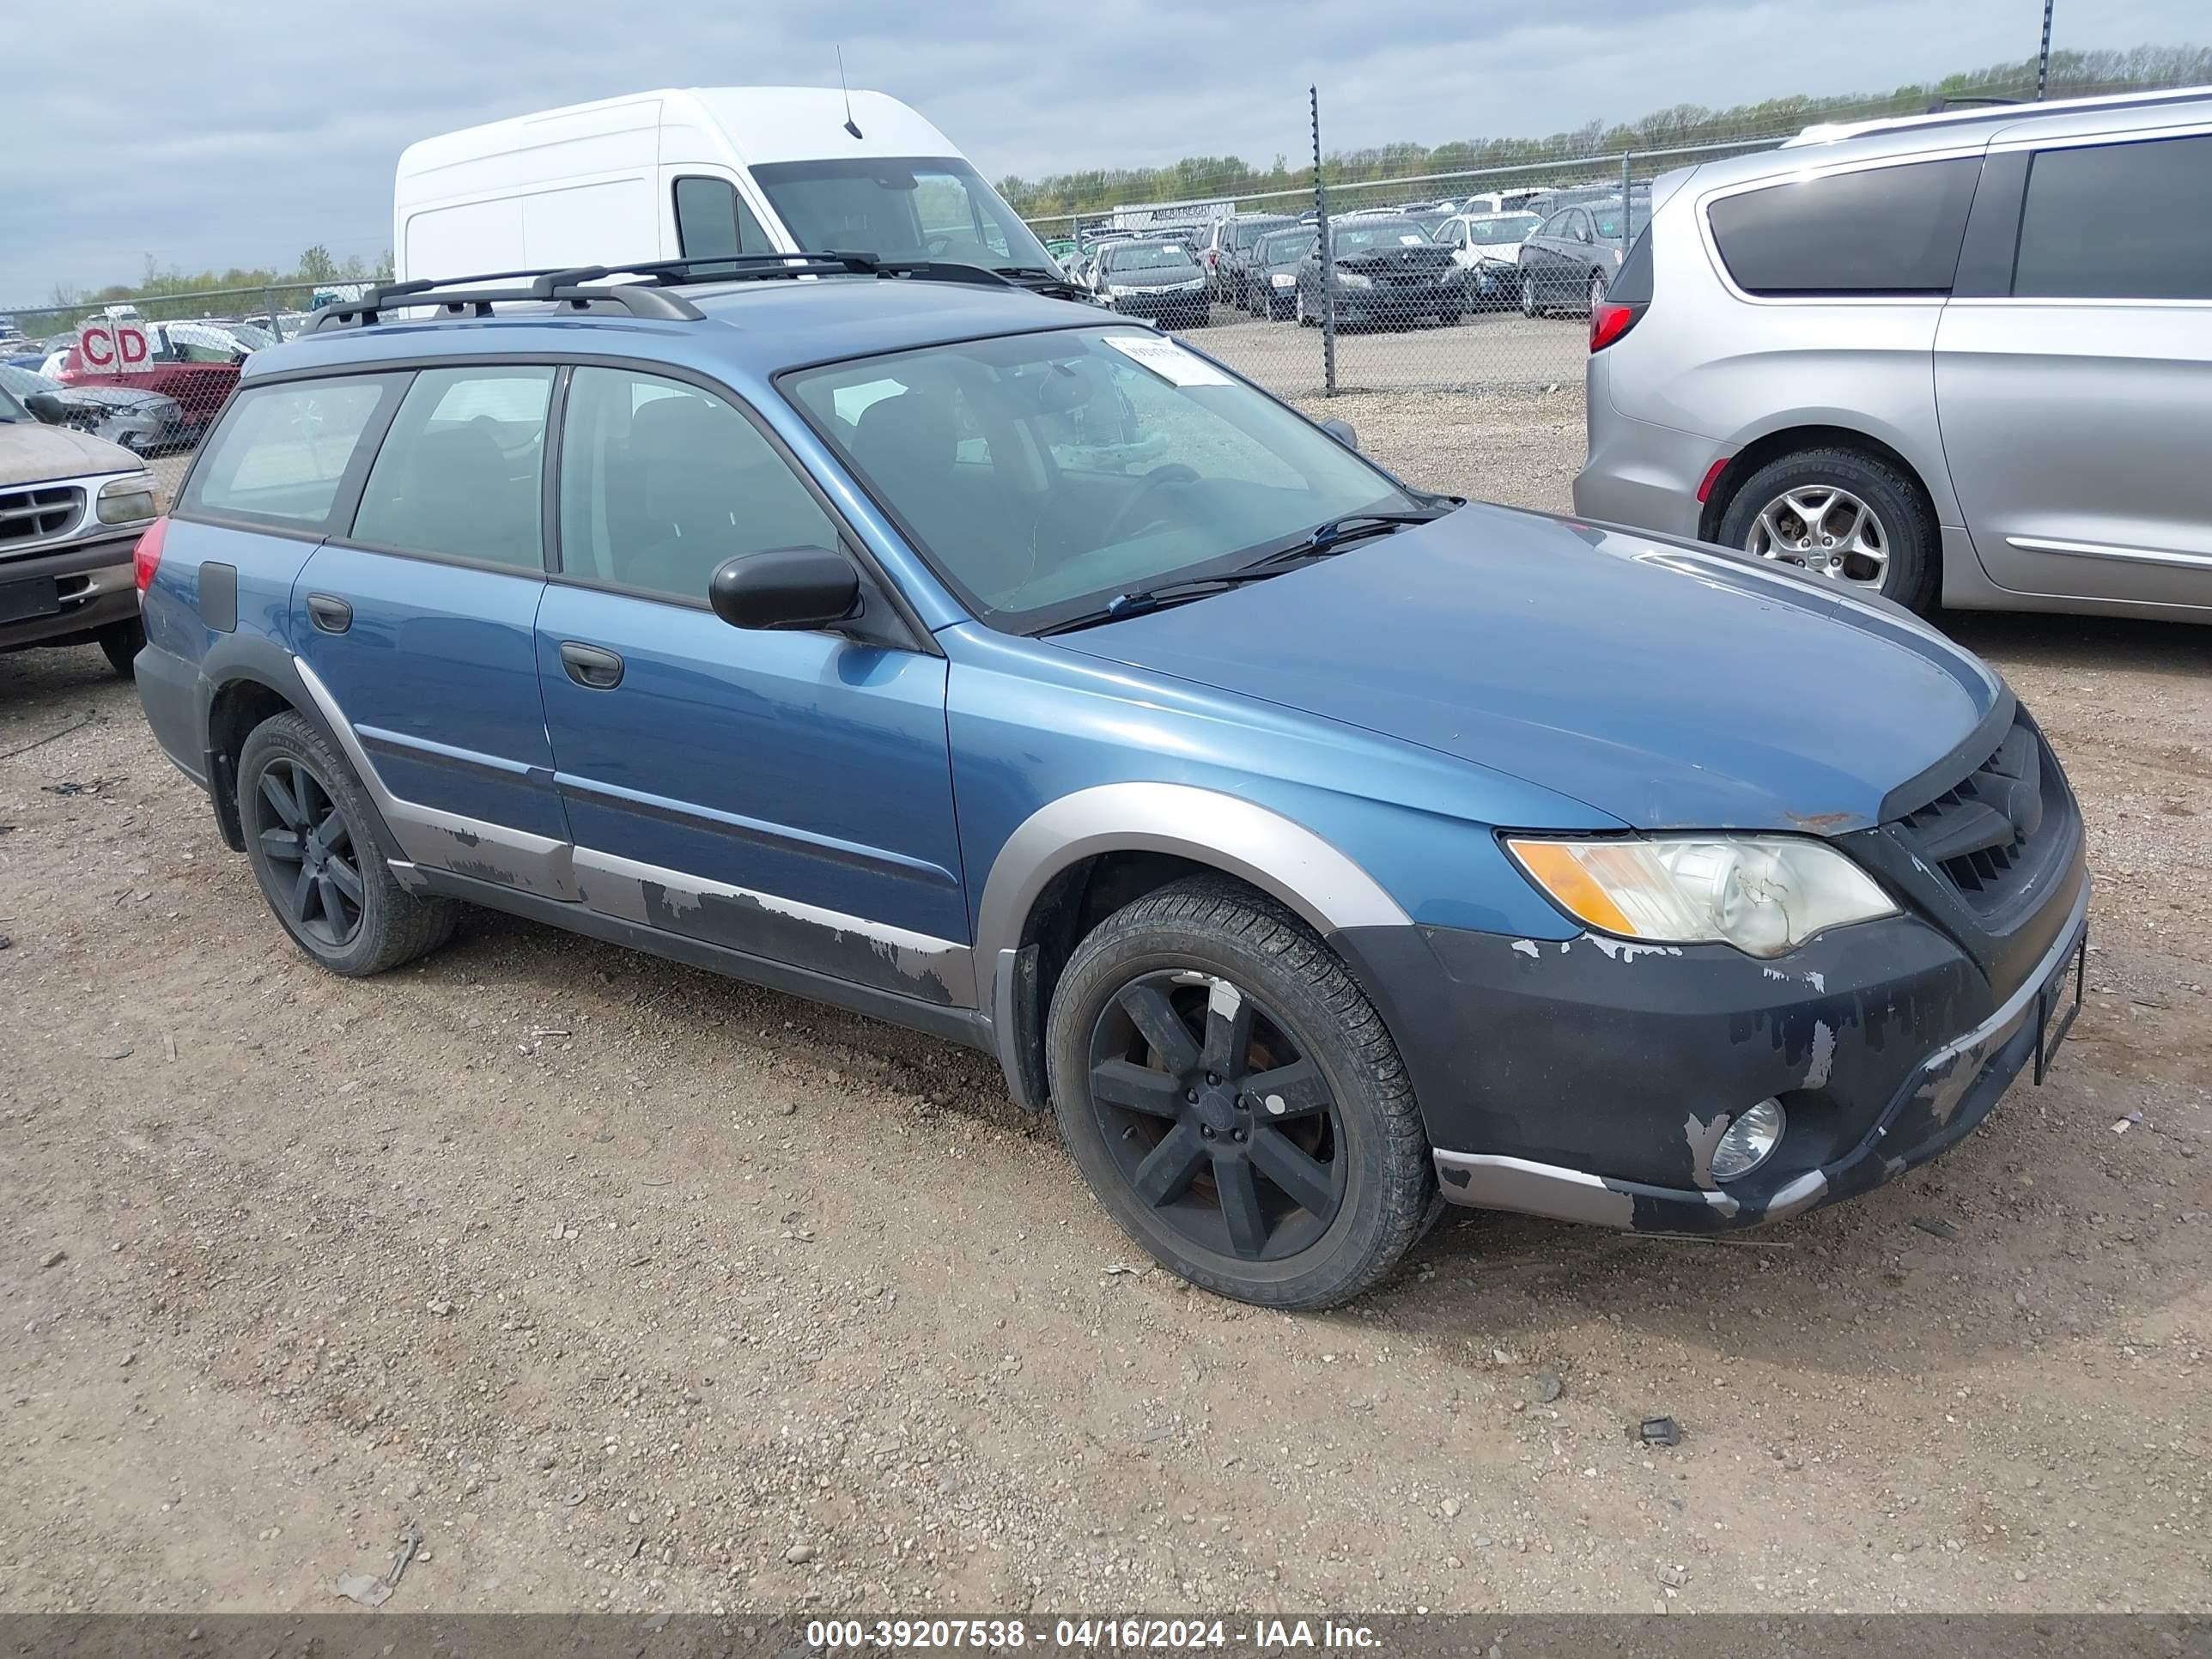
(329,613)
(590,667)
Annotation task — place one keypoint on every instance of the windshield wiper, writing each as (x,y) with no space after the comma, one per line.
(1326,538)
(1147,599)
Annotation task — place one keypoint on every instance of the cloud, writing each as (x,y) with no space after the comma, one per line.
(242,137)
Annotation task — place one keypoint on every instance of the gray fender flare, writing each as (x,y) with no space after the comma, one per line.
(1280,857)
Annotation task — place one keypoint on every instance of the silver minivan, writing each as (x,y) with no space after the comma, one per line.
(1963,358)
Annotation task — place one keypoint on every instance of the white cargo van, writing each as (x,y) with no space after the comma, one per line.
(701,172)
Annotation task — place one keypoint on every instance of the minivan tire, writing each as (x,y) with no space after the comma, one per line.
(393,925)
(1380,1193)
(1907,521)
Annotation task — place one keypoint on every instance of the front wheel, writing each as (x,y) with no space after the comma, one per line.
(311,840)
(1528,306)
(1234,1100)
(1596,289)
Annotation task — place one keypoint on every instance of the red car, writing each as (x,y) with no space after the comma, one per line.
(195,363)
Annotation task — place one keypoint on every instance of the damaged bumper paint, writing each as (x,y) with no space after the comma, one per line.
(1574,1079)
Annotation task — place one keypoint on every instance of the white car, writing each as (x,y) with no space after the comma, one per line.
(1485,245)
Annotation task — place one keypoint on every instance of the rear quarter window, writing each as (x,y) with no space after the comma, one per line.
(1883,230)
(282,455)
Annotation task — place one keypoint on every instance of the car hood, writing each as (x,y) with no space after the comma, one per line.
(1668,684)
(114,397)
(30,453)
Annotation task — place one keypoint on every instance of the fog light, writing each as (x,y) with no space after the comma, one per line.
(1749,1141)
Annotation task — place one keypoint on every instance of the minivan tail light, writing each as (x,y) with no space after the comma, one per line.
(1609,320)
(146,556)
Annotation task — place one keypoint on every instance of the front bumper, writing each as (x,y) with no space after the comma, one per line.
(1185,302)
(1390,304)
(1589,1080)
(93,587)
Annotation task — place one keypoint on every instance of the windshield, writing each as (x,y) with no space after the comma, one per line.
(1148,256)
(24,382)
(1043,475)
(1247,235)
(1389,233)
(1283,248)
(904,208)
(1514,227)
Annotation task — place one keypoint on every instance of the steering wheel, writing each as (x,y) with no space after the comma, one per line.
(1174,473)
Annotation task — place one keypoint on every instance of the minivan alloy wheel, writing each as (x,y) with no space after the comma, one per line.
(1825,529)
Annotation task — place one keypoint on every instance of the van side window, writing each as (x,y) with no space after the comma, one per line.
(459,474)
(662,482)
(2128,221)
(1883,230)
(280,453)
(712,219)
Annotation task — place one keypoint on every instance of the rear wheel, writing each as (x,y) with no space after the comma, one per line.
(1844,515)
(1233,1099)
(1528,306)
(123,641)
(313,842)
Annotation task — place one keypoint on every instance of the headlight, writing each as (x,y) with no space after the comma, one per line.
(127,500)
(1354,279)
(1283,279)
(1763,894)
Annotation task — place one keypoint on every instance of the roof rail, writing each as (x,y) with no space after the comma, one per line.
(1965,114)
(584,285)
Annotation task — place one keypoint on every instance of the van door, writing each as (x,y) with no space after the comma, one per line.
(2071,402)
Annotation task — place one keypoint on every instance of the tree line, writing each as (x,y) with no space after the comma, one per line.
(2073,74)
(168,293)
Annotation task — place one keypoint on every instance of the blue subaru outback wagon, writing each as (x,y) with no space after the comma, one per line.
(1316,848)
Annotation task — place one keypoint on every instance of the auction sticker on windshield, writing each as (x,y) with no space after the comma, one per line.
(1168,360)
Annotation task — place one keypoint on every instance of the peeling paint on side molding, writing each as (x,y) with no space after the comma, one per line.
(1527,947)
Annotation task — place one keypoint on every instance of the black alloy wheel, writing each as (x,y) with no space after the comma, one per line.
(308,847)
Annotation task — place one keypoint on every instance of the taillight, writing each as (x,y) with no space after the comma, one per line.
(146,557)
(1609,320)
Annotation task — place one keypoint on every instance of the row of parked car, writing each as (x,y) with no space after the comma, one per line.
(165,404)
(1388,267)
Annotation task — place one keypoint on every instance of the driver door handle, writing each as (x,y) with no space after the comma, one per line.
(591,667)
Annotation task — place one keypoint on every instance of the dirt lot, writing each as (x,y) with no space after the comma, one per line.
(642,1289)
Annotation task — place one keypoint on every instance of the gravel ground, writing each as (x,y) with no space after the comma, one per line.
(638,1289)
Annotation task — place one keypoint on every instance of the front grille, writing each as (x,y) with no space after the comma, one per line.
(1990,835)
(37,514)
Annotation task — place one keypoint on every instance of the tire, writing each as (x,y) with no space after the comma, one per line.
(1351,1139)
(387,926)
(123,641)
(1906,522)
(1596,289)
(1528,306)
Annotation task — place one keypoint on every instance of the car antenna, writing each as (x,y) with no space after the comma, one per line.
(851,126)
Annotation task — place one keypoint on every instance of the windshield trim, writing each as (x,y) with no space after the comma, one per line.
(1043,620)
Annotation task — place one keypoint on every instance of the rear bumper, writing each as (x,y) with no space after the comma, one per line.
(1587,1080)
(93,585)
(1639,474)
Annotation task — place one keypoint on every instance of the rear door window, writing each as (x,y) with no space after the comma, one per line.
(1883,230)
(282,454)
(2131,222)
(459,474)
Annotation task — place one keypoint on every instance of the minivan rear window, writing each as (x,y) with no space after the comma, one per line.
(2130,221)
(280,455)
(1884,230)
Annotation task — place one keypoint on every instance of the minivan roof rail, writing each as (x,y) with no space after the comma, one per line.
(583,286)
(1827,132)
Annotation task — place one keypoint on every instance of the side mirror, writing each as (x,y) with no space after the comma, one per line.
(1341,431)
(797,588)
(48,407)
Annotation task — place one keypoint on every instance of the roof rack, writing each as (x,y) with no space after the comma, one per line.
(1963,114)
(581,287)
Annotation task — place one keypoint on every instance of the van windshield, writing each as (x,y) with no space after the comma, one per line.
(902,207)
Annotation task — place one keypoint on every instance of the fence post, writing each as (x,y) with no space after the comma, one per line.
(268,304)
(1627,199)
(1327,262)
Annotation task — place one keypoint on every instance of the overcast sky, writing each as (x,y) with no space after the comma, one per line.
(239,131)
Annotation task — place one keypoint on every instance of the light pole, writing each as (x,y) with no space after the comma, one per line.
(2043,61)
